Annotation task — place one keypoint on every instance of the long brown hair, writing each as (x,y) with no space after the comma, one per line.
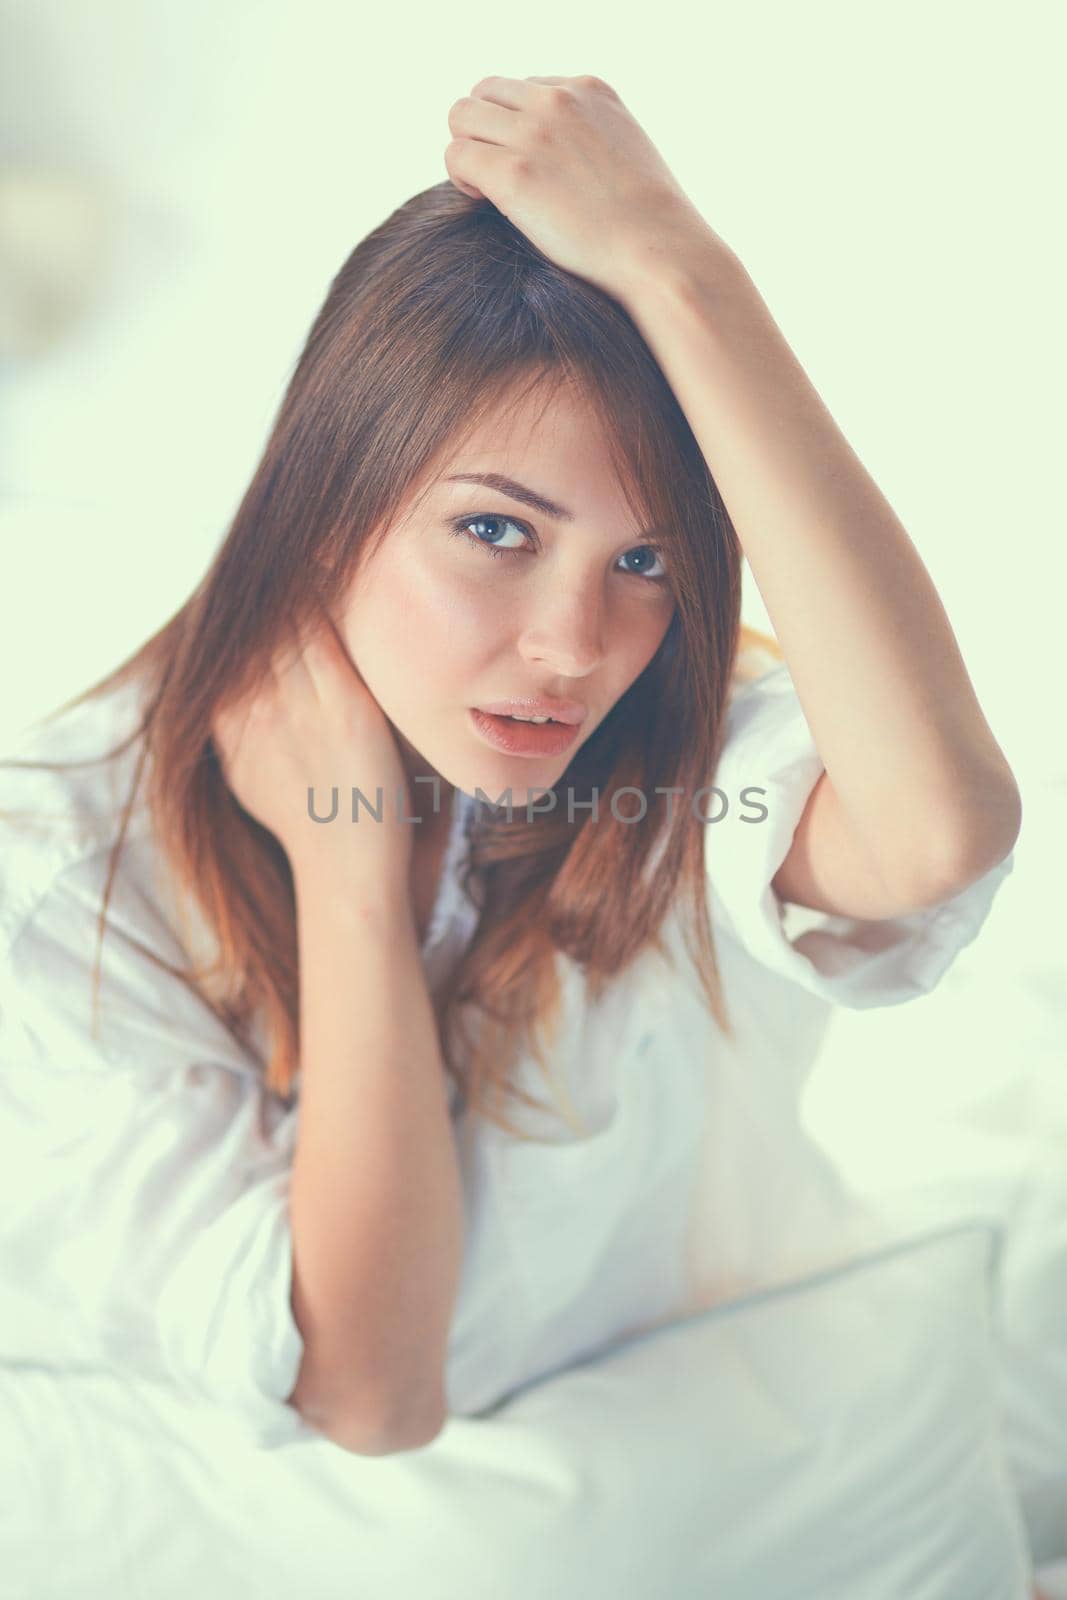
(439,312)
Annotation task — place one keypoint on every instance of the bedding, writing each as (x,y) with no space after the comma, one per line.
(835,1437)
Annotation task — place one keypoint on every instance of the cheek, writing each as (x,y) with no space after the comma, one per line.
(463,610)
(649,630)
(426,621)
(646,637)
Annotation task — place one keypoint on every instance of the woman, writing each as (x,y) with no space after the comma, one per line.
(539,418)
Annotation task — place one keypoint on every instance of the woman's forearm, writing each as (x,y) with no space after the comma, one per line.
(870,648)
(376,1200)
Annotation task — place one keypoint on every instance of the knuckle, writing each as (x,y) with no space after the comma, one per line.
(594,84)
(558,97)
(521,166)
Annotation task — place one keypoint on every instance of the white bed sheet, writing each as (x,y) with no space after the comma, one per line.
(836,1437)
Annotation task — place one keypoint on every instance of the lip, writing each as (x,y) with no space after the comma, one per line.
(520,738)
(537,705)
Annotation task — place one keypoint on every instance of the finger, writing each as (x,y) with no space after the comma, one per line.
(332,632)
(289,652)
(481,119)
(475,166)
(464,187)
(514,93)
(327,656)
(283,662)
(467,189)
(585,80)
(227,730)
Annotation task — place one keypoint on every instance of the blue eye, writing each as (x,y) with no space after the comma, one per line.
(462,524)
(647,550)
(460,527)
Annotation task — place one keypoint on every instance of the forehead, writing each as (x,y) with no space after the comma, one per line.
(554,414)
(544,431)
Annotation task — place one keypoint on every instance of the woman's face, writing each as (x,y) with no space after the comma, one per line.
(438,624)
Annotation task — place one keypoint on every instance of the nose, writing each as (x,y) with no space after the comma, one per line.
(567,632)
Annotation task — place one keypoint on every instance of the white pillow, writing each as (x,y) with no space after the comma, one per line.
(834,1439)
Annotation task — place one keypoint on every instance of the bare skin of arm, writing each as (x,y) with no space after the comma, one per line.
(375,1199)
(375,1194)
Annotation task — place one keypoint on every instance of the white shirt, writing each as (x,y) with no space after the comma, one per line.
(144,1171)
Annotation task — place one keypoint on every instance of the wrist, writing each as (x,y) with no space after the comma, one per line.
(373,890)
(677,260)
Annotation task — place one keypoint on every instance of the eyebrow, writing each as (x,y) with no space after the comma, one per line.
(528,497)
(517,491)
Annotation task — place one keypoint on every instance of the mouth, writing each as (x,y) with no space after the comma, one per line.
(519,738)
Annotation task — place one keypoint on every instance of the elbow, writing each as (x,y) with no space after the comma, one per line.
(985,838)
(409,1433)
(373,1418)
(385,1430)
(973,844)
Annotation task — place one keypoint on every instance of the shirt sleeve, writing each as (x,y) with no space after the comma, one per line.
(144,1174)
(768,767)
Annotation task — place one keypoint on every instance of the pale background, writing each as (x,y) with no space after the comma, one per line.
(179,183)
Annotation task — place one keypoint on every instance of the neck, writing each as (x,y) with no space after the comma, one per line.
(421,796)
